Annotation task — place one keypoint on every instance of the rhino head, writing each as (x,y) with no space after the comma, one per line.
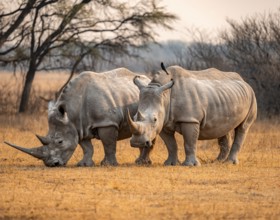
(60,142)
(150,117)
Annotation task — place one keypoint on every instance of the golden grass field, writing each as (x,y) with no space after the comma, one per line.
(29,190)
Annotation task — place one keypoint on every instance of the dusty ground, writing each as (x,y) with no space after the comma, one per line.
(29,190)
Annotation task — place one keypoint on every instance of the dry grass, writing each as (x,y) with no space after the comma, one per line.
(44,85)
(29,190)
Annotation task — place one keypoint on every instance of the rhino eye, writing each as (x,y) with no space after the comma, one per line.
(155,119)
(60,142)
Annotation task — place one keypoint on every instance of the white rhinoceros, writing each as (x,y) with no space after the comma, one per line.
(200,105)
(92,105)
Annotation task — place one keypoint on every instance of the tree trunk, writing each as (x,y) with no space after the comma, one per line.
(27,88)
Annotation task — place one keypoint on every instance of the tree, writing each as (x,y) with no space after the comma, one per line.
(56,29)
(252,47)
(6,28)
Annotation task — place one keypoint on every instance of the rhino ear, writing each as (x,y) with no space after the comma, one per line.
(138,82)
(163,68)
(64,114)
(58,114)
(166,86)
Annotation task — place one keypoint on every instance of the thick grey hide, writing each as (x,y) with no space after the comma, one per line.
(201,105)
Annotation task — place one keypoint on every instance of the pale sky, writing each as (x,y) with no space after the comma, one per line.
(210,15)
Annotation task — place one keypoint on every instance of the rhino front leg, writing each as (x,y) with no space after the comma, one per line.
(172,148)
(144,157)
(88,153)
(108,136)
(190,132)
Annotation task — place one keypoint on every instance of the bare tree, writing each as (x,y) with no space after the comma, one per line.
(16,17)
(252,47)
(55,29)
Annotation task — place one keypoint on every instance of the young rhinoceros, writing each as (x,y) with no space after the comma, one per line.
(92,105)
(200,105)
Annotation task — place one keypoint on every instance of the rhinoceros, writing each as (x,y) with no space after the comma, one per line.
(200,105)
(92,105)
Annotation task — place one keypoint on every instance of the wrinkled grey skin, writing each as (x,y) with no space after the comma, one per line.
(92,105)
(200,105)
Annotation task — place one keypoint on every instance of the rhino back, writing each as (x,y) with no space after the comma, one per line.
(100,99)
(219,101)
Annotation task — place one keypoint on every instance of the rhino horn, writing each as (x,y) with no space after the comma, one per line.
(134,127)
(140,116)
(43,140)
(37,152)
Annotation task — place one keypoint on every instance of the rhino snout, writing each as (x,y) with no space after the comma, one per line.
(54,163)
(148,144)
(141,144)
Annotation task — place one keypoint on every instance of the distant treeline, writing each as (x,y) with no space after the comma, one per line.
(250,47)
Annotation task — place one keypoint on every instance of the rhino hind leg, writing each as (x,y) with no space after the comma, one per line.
(108,137)
(144,157)
(241,132)
(172,148)
(239,137)
(224,143)
(88,153)
(190,132)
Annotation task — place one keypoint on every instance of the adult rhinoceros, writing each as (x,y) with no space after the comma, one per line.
(92,105)
(200,105)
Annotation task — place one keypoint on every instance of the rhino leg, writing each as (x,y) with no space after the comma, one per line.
(144,157)
(88,153)
(108,136)
(172,148)
(239,137)
(190,132)
(224,147)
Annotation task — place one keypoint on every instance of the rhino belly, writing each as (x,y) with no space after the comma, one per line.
(219,126)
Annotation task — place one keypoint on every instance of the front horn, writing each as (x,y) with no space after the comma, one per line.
(134,127)
(37,152)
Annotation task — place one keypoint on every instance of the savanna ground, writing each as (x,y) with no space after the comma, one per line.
(29,190)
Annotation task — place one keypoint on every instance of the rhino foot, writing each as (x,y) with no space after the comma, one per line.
(221,158)
(232,161)
(191,162)
(106,162)
(85,163)
(143,161)
(171,162)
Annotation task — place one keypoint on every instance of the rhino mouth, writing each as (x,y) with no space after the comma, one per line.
(55,163)
(147,144)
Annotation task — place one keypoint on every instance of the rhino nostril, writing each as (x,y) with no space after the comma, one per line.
(56,163)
